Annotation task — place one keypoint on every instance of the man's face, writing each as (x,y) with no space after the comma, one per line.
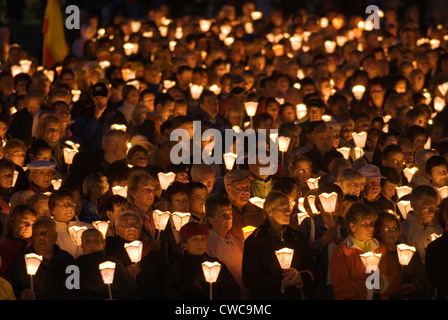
(388,189)
(280,213)
(179,202)
(222,221)
(118,209)
(23,226)
(372,188)
(324,140)
(32,105)
(424,208)
(396,161)
(41,177)
(239,192)
(43,240)
(315,113)
(6,178)
(208,180)
(210,106)
(92,243)
(197,200)
(100,102)
(439,176)
(129,229)
(64,210)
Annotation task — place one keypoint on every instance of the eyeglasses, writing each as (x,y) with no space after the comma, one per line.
(147,190)
(430,210)
(390,230)
(66,205)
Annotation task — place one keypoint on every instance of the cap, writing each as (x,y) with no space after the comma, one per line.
(236,175)
(370,171)
(193,229)
(99,89)
(41,165)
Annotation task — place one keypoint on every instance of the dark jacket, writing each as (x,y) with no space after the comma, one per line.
(21,125)
(262,273)
(185,281)
(92,286)
(436,262)
(49,281)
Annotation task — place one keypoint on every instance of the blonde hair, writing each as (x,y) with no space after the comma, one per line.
(350,175)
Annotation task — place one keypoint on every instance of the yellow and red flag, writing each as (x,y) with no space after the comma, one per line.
(55,47)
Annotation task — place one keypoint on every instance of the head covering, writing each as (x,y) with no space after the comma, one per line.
(99,89)
(370,171)
(41,165)
(236,175)
(193,229)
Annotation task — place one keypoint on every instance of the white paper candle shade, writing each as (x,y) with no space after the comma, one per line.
(345,152)
(161,219)
(69,154)
(76,234)
(405,253)
(256,15)
(101,226)
(329,201)
(75,94)
(312,203)
(330,46)
(358,152)
(403,191)
(204,25)
(443,192)
(229,160)
(166,179)
(107,270)
(313,183)
(180,219)
(56,184)
(358,91)
(439,104)
(301,204)
(32,261)
(284,257)
(360,138)
(196,91)
(251,108)
(257,201)
(247,231)
(134,250)
(301,111)
(15,70)
(14,179)
(370,259)
(117,126)
(301,216)
(167,84)
(25,64)
(283,143)
(404,206)
(211,271)
(409,172)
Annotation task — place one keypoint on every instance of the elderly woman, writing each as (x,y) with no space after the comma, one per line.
(18,232)
(351,181)
(141,195)
(347,270)
(51,130)
(415,284)
(7,168)
(94,186)
(260,260)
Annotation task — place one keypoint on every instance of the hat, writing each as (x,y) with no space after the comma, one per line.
(236,175)
(193,229)
(99,89)
(41,165)
(370,171)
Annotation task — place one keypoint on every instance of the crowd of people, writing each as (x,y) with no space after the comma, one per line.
(362,108)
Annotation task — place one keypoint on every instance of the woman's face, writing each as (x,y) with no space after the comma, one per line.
(196,245)
(302,171)
(388,233)
(144,195)
(363,230)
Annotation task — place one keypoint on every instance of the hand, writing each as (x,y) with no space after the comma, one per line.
(134,269)
(27,294)
(407,288)
(156,245)
(290,278)
(329,236)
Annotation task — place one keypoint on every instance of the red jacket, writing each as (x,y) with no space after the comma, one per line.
(348,273)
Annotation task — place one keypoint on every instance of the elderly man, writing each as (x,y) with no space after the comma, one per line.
(237,186)
(49,281)
(371,194)
(40,176)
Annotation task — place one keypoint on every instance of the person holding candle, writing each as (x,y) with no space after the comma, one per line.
(19,230)
(324,231)
(185,278)
(347,270)
(263,276)
(415,284)
(62,209)
(49,281)
(91,285)
(420,227)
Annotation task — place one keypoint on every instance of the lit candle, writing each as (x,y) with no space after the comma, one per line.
(284,257)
